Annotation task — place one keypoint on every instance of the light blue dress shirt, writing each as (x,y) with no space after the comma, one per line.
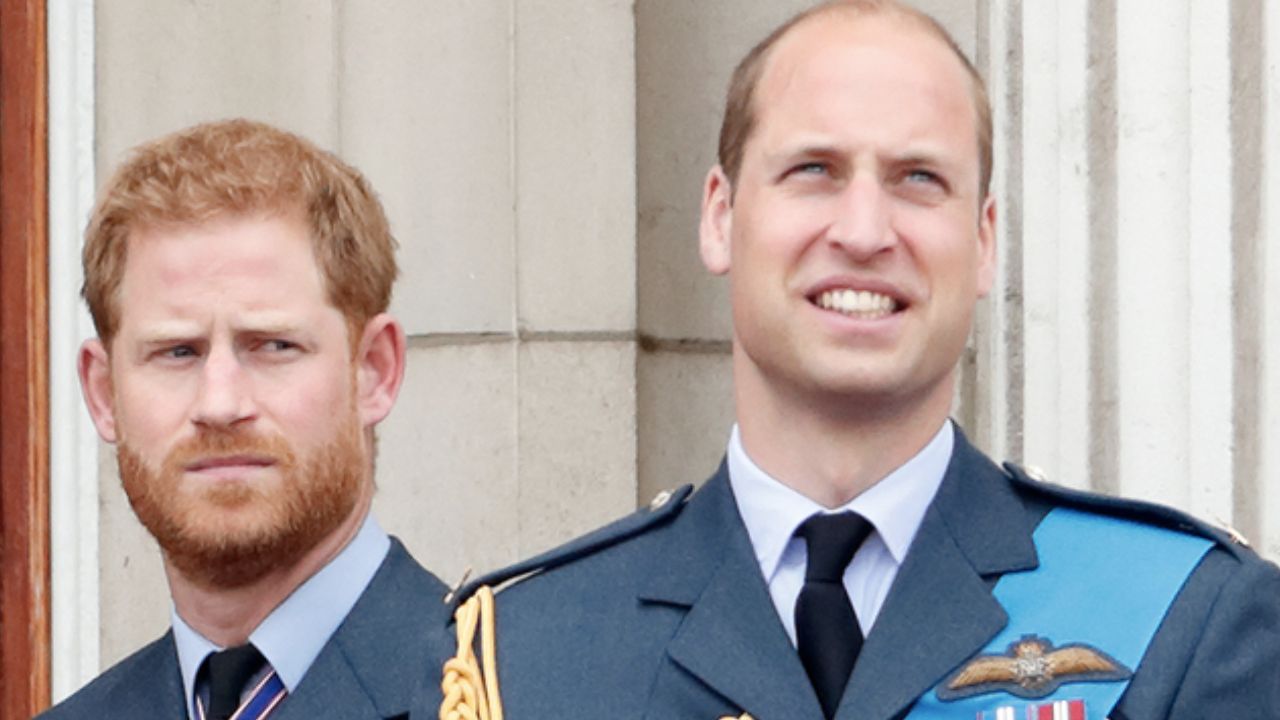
(293,634)
(895,506)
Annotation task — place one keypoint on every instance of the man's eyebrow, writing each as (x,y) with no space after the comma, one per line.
(185,332)
(924,155)
(273,327)
(264,322)
(810,149)
(805,152)
(169,332)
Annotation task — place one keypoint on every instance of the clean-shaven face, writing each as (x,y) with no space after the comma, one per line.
(857,242)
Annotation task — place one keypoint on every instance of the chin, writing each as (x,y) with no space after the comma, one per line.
(232,533)
(231,548)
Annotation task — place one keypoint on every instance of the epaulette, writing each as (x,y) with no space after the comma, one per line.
(469,681)
(1035,482)
(665,506)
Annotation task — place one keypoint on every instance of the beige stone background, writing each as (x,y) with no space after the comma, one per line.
(541,161)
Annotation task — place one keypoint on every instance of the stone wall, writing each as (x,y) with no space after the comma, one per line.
(542,162)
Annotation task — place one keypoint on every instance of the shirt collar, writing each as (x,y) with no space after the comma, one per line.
(895,505)
(291,637)
(193,648)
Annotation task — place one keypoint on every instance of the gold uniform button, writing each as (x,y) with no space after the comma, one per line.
(1036,473)
(1238,538)
(1235,535)
(659,500)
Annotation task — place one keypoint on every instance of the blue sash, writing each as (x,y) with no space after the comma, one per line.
(1103,584)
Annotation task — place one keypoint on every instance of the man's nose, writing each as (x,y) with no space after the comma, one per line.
(224,398)
(861,225)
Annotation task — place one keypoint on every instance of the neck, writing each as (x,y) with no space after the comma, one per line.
(832,449)
(227,616)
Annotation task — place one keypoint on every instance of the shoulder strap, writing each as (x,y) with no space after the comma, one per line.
(470,682)
(664,507)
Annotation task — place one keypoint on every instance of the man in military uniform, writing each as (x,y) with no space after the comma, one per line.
(855,556)
(239,277)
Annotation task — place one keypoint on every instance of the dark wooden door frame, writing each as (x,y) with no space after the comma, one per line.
(24,354)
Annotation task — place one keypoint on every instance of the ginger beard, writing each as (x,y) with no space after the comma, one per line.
(229,534)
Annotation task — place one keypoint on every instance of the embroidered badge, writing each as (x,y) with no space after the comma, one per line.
(1031,668)
(1060,710)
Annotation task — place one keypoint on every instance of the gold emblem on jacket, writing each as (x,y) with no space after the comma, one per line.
(1031,668)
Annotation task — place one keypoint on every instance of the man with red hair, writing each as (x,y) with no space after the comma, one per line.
(239,278)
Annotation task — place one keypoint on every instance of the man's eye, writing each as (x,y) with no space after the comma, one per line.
(178,352)
(278,345)
(812,168)
(924,176)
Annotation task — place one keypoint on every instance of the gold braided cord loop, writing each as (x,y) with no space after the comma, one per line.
(469,693)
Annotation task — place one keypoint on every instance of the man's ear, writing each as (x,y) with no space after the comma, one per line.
(379,365)
(714,231)
(987,246)
(93,364)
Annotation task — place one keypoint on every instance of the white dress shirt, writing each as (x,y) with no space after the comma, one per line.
(291,637)
(895,506)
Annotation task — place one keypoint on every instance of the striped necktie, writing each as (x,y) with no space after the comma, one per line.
(231,694)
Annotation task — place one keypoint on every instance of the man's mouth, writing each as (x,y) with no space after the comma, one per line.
(860,304)
(215,464)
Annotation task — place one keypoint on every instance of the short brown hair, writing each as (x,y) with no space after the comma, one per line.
(236,168)
(740,113)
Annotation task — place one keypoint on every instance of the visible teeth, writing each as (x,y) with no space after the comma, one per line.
(859,303)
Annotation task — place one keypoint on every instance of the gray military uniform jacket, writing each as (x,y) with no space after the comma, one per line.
(665,615)
(367,671)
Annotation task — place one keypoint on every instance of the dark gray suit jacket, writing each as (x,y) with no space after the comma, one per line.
(367,671)
(665,615)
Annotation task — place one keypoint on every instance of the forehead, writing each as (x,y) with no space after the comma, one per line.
(871,72)
(251,260)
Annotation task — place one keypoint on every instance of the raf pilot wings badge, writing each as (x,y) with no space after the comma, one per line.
(1031,668)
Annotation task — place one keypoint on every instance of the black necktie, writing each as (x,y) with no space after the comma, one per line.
(229,671)
(827,632)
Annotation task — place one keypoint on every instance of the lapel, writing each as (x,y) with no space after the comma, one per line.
(374,661)
(152,687)
(730,638)
(940,610)
(330,686)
